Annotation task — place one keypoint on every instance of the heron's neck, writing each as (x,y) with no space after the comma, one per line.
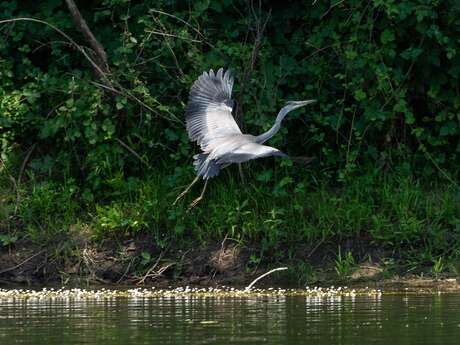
(260,139)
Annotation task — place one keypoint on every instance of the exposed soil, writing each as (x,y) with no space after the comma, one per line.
(136,262)
(131,262)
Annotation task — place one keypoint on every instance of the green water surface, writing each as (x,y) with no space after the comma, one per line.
(386,319)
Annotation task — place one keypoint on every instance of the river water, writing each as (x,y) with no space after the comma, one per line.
(389,319)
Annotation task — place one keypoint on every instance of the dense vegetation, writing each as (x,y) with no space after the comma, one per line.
(106,152)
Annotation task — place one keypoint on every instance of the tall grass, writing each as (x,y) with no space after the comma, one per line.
(417,221)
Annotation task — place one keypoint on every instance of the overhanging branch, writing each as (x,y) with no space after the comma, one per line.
(80,23)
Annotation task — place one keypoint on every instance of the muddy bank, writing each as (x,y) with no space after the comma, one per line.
(132,262)
(136,263)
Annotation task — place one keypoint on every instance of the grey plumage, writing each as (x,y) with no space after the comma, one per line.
(210,124)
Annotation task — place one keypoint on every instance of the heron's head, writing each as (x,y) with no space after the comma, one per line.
(279,118)
(291,105)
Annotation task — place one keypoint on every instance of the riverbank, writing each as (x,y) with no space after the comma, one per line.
(219,264)
(369,228)
(94,149)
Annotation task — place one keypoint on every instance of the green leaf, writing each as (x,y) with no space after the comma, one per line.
(387,36)
(360,95)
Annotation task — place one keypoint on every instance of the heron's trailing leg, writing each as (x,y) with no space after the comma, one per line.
(197,200)
(243,179)
(181,195)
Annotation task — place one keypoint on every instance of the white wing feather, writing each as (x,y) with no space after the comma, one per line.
(209,109)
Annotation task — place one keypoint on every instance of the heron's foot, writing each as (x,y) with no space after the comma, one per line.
(180,196)
(194,202)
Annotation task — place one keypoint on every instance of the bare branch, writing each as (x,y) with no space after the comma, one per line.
(260,28)
(151,269)
(186,23)
(107,83)
(172,35)
(134,153)
(80,23)
(264,275)
(21,172)
(22,262)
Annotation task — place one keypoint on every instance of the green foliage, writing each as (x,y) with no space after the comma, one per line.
(438,267)
(384,132)
(304,273)
(146,259)
(385,75)
(118,218)
(418,223)
(48,209)
(344,264)
(8,239)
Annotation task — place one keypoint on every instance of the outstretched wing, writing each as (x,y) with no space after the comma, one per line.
(209,110)
(249,151)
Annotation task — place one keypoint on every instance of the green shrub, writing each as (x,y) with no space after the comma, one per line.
(385,74)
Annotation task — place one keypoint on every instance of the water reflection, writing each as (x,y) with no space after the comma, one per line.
(380,319)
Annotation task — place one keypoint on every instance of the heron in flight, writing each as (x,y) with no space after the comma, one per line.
(210,124)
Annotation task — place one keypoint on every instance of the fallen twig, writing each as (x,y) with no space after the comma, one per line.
(21,263)
(264,275)
(126,270)
(141,281)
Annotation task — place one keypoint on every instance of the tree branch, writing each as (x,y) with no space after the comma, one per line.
(260,28)
(264,275)
(80,23)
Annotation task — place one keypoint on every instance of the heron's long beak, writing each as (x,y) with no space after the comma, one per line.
(298,104)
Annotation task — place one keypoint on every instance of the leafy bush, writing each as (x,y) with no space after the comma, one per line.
(385,74)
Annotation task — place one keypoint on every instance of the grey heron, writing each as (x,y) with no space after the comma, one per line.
(210,124)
